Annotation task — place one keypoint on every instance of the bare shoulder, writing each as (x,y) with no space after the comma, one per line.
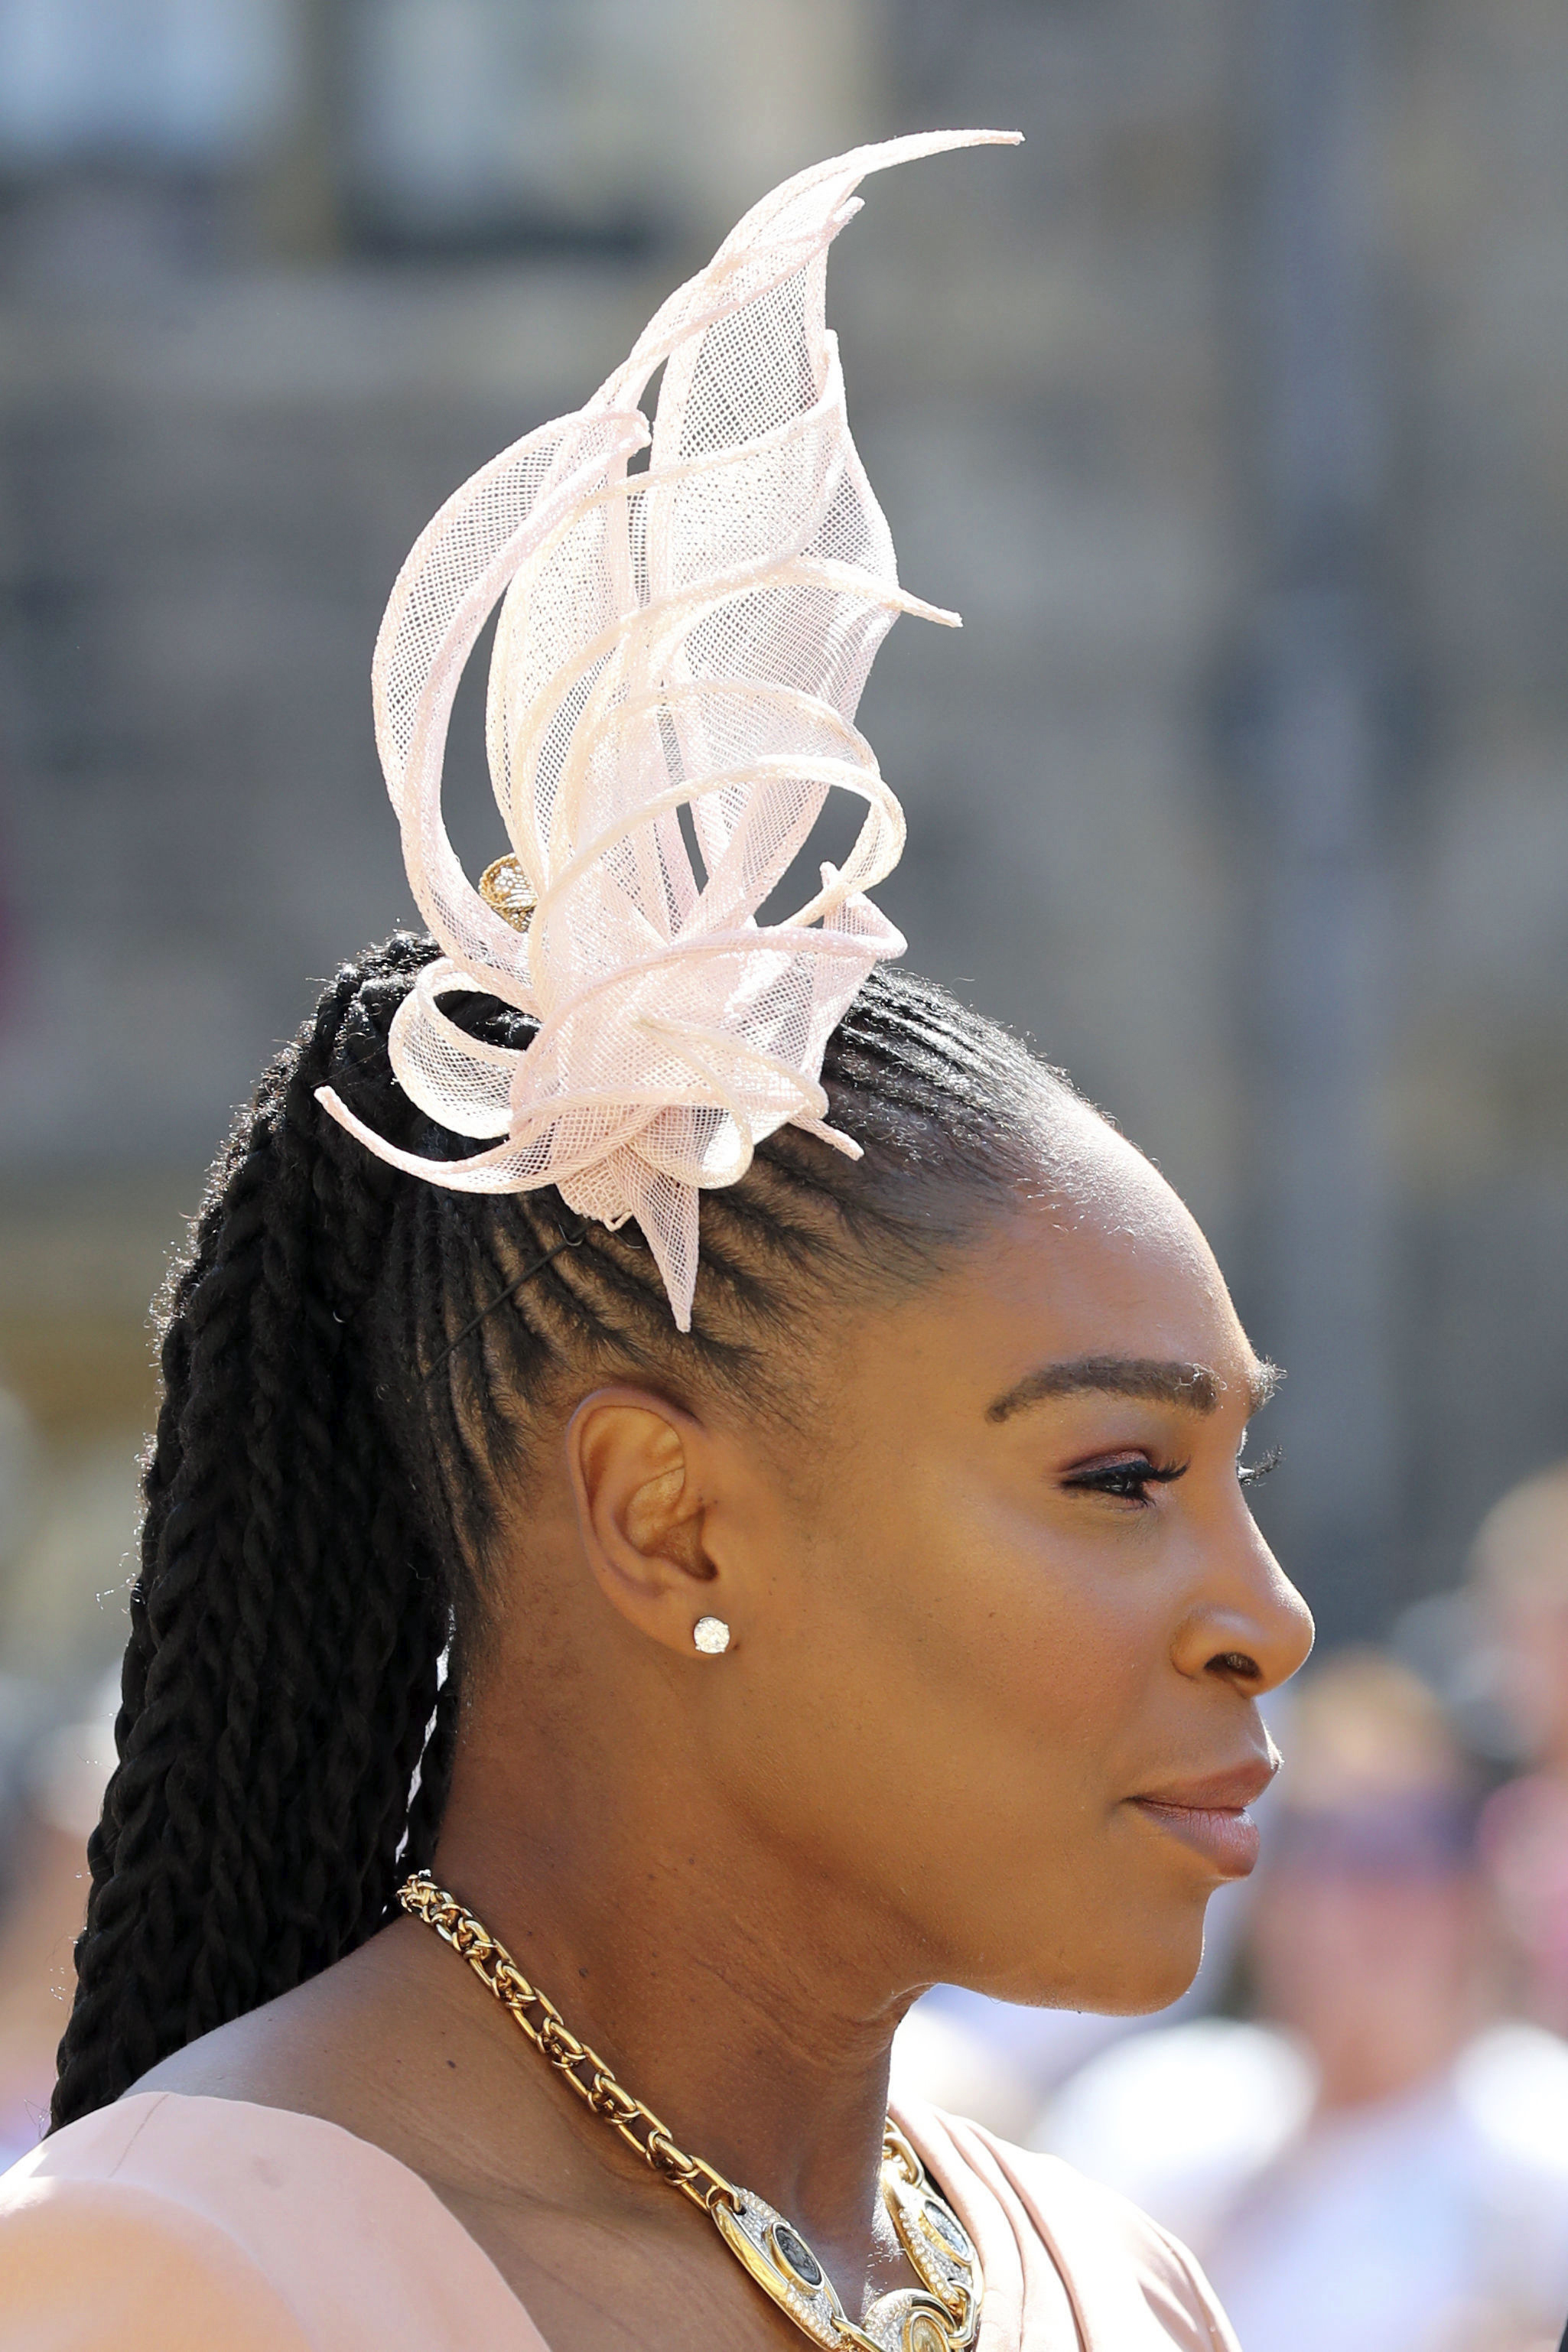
(339,2046)
(288,2053)
(396,2045)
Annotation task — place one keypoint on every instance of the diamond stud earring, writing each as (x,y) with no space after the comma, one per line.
(712,1636)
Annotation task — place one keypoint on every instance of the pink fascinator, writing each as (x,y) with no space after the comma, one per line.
(691,636)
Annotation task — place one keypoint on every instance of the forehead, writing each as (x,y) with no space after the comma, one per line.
(1126,1276)
(1097,1258)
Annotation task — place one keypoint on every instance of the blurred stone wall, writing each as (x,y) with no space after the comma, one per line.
(214,453)
(1478,238)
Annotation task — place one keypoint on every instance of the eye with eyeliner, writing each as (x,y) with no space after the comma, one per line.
(1128,1481)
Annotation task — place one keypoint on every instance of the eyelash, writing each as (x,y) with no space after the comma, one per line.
(1128,1482)
(1252,1474)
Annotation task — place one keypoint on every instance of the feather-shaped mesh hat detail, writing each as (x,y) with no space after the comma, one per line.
(691,636)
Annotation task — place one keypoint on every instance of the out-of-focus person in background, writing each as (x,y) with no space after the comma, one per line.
(1378,2162)
(1519,1573)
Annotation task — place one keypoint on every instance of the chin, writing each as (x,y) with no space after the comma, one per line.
(1144,1967)
(1157,1968)
(1152,1989)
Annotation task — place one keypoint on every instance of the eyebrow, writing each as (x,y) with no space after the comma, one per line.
(1193,1388)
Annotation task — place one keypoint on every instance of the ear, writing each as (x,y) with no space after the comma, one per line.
(639,1469)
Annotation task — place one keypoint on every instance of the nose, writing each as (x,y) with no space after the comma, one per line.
(1250,1626)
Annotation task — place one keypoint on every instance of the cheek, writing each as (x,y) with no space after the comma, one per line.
(989,1633)
(1027,1633)
(972,1681)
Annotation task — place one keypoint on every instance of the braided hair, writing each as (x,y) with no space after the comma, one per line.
(353,1364)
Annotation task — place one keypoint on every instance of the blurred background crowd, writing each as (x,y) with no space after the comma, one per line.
(1229,411)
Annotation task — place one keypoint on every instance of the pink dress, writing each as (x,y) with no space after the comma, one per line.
(173,2224)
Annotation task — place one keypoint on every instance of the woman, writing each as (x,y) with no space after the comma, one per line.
(715,1628)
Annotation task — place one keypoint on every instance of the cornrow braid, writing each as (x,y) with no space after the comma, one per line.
(353,1369)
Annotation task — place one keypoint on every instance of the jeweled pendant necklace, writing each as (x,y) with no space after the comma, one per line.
(941,2315)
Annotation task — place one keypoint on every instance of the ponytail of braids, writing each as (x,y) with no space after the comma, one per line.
(289,1616)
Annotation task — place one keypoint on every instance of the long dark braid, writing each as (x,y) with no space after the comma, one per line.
(340,1420)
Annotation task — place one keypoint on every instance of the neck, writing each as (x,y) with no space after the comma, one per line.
(721,1982)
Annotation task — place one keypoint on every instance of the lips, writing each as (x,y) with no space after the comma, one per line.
(1209,1813)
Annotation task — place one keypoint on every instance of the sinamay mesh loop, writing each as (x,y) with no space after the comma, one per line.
(695,635)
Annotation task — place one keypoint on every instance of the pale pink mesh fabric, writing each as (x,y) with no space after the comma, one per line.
(693,635)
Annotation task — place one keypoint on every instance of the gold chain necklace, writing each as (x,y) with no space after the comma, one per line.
(943,2315)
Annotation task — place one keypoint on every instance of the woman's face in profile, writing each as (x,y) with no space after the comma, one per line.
(1007,1612)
